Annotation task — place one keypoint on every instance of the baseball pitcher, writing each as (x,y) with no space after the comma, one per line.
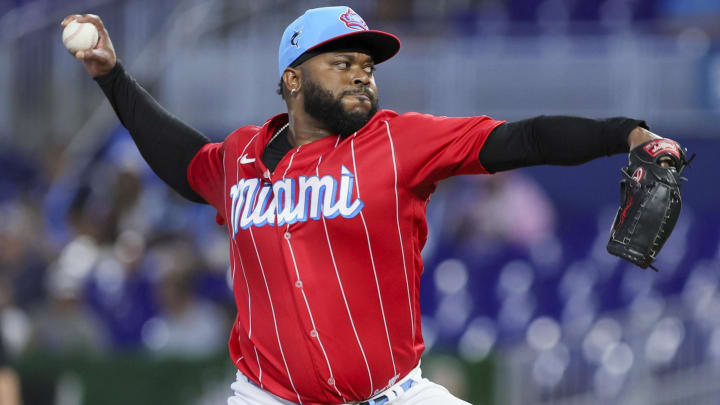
(324,207)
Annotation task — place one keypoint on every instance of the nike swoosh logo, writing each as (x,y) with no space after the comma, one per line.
(244,159)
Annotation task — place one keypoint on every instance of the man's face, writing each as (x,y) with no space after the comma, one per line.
(339,90)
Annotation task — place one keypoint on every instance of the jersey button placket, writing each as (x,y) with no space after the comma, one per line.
(290,266)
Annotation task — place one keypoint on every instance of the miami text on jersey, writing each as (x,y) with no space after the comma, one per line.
(259,204)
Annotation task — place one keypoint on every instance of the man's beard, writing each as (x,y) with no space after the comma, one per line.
(321,105)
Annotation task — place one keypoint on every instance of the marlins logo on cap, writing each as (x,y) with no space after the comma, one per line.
(353,20)
(333,28)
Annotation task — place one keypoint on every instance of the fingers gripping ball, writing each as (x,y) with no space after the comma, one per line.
(79,36)
(650,201)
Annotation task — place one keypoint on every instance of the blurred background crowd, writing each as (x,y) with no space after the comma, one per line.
(113,289)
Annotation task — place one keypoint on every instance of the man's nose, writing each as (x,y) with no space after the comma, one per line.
(361,78)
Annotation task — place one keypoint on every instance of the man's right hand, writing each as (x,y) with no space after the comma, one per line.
(101,59)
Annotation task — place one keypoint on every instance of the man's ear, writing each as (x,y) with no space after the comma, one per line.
(292,77)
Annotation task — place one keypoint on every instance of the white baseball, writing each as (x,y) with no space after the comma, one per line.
(79,36)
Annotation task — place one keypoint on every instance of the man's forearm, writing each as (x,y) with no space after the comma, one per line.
(167,144)
(556,140)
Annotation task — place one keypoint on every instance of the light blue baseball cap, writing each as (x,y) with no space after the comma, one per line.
(332,28)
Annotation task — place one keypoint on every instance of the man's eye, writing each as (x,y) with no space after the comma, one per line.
(342,65)
(370,69)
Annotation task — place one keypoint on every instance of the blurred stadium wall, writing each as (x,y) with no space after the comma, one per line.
(521,303)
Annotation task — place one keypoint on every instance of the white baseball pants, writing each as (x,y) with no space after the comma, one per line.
(424,392)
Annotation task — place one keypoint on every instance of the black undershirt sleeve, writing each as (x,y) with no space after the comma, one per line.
(166,143)
(555,140)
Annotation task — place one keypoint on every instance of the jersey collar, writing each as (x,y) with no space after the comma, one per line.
(263,138)
(276,122)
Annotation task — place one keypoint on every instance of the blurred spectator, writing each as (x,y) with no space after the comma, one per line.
(14,323)
(64,323)
(515,209)
(106,258)
(120,289)
(186,325)
(495,211)
(23,249)
(107,275)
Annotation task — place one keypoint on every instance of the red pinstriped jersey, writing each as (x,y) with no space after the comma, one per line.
(325,250)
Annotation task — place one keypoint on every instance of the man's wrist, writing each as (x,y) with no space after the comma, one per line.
(111,75)
(640,135)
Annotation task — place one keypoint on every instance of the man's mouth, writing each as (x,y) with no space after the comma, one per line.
(360,96)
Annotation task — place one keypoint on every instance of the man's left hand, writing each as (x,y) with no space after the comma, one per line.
(650,198)
(640,135)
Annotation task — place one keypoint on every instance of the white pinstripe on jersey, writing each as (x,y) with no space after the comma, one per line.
(312,321)
(397,217)
(292,157)
(234,242)
(342,291)
(247,285)
(372,258)
(257,357)
(302,290)
(272,310)
(237,249)
(267,288)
